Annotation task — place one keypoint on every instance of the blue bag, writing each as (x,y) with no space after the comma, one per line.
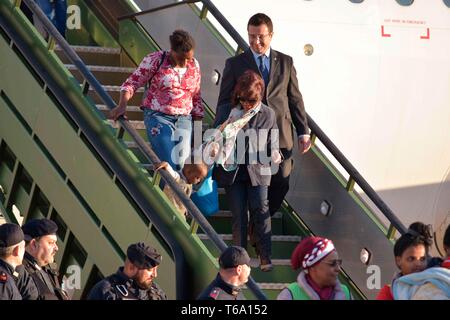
(206,197)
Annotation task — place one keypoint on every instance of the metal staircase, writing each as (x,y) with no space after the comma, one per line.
(110,69)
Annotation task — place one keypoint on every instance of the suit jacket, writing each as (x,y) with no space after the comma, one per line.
(282,93)
(260,173)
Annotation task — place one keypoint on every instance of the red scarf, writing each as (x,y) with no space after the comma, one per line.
(325,293)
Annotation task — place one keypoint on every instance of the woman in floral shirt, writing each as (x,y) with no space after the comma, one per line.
(172,100)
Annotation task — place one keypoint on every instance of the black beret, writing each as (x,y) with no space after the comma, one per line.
(233,256)
(36,228)
(143,256)
(10,234)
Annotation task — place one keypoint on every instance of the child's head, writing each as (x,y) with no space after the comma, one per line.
(447,241)
(411,249)
(195,172)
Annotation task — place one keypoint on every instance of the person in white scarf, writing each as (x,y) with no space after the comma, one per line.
(249,136)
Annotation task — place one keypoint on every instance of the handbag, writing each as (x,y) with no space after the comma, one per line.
(206,198)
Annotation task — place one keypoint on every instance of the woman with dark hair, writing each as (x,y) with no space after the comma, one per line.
(251,138)
(172,100)
(430,284)
(411,254)
(319,263)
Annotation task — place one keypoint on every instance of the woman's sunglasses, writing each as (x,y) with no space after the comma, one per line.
(249,101)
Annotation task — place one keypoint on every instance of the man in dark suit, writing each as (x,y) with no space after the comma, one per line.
(282,95)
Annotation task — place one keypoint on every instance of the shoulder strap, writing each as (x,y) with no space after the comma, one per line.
(297,292)
(121,289)
(59,291)
(151,78)
(157,69)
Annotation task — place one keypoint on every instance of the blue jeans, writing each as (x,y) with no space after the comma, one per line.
(170,136)
(243,197)
(56,12)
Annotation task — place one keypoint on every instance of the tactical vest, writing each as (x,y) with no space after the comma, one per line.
(44,291)
(122,292)
(298,293)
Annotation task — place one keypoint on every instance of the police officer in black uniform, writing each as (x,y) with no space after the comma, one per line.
(133,281)
(12,248)
(233,274)
(25,284)
(40,236)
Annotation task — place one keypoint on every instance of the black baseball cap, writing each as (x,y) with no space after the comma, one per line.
(36,228)
(233,256)
(143,256)
(10,235)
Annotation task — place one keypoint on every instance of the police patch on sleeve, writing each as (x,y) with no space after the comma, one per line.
(214,293)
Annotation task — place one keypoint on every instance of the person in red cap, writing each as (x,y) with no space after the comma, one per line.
(318,280)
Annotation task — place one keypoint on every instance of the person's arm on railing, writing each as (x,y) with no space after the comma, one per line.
(121,108)
(163,165)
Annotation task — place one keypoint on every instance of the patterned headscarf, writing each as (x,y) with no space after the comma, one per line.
(310,251)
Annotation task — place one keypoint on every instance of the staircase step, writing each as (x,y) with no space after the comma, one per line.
(228,214)
(281,273)
(100,68)
(98,56)
(136,124)
(271,290)
(279,238)
(282,246)
(272,286)
(221,222)
(133,112)
(114,92)
(92,49)
(109,75)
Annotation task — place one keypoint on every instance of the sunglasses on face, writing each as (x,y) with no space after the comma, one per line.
(248,101)
(334,263)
